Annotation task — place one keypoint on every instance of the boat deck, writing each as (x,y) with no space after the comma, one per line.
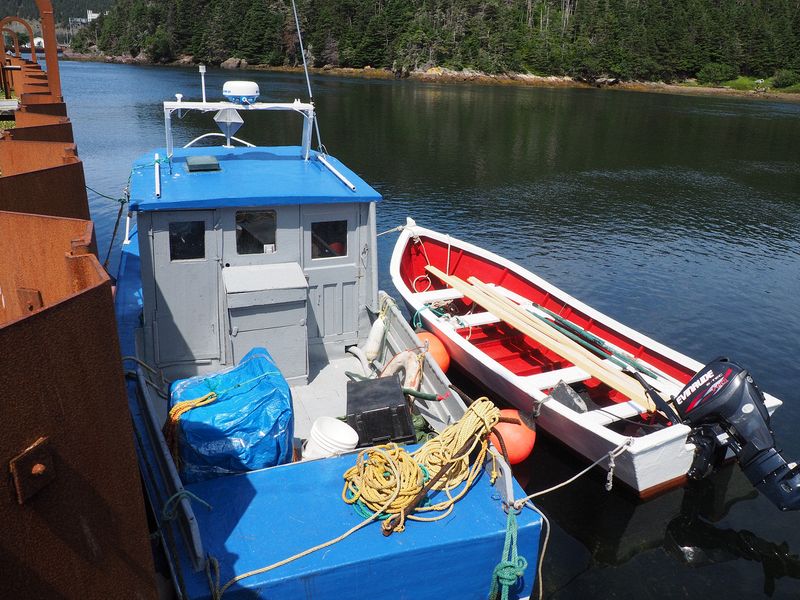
(265,516)
(268,515)
(325,394)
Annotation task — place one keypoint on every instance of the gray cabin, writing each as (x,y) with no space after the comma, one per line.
(245,247)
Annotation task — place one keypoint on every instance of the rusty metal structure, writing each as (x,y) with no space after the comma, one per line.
(71,504)
(14,39)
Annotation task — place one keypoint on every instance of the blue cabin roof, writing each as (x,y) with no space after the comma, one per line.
(275,175)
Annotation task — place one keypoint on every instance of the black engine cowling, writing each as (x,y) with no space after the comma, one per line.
(726,409)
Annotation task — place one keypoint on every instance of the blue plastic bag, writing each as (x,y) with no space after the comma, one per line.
(248,426)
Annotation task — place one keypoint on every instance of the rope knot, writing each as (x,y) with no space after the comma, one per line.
(507,571)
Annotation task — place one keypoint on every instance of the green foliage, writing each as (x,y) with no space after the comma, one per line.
(785,78)
(744,83)
(63,9)
(715,73)
(158,46)
(642,39)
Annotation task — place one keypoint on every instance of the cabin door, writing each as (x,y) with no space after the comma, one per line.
(330,262)
(186,268)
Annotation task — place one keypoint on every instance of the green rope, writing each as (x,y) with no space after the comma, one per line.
(169,511)
(363,510)
(106,196)
(416,320)
(512,566)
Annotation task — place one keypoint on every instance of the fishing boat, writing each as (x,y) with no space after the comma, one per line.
(498,321)
(256,266)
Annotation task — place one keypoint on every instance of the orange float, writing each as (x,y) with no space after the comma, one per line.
(519,439)
(436,349)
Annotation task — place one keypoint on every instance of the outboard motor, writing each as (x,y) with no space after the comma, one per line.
(726,409)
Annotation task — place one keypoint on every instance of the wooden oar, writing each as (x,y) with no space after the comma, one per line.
(607,374)
(547,337)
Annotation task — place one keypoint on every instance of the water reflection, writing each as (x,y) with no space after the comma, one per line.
(693,537)
(613,537)
(679,216)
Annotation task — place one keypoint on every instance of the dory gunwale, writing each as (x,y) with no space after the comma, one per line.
(654,461)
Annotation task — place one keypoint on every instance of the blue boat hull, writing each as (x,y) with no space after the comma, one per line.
(264,516)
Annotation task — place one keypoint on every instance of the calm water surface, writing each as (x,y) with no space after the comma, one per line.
(679,216)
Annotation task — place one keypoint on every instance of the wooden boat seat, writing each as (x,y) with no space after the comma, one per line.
(609,414)
(549,379)
(477,319)
(438,295)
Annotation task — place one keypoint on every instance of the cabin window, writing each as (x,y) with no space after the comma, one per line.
(187,240)
(255,231)
(328,239)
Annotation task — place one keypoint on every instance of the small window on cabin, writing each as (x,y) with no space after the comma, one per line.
(187,240)
(255,231)
(328,239)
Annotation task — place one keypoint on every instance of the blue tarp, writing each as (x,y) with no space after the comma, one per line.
(266,176)
(248,426)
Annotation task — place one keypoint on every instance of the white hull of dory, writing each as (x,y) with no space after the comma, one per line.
(653,462)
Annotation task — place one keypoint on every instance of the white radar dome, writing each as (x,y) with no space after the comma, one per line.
(241,92)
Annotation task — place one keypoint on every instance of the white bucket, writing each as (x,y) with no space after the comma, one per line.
(329,437)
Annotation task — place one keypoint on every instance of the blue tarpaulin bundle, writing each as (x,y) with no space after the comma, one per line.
(248,424)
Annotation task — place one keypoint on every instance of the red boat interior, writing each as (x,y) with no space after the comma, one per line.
(501,342)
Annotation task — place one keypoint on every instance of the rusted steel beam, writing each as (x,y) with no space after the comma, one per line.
(25,157)
(27,116)
(14,38)
(12,19)
(42,178)
(48,25)
(73,515)
(56,132)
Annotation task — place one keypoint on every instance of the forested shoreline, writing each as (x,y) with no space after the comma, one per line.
(649,40)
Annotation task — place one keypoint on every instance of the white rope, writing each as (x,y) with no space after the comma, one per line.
(610,456)
(392,230)
(530,505)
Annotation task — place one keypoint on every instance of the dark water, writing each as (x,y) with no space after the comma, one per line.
(679,216)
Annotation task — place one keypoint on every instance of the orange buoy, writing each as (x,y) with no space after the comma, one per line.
(436,349)
(519,439)
(337,248)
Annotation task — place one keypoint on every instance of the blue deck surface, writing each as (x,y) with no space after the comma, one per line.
(272,176)
(265,516)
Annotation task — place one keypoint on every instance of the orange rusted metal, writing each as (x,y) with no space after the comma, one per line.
(42,178)
(50,132)
(48,25)
(8,20)
(71,505)
(14,38)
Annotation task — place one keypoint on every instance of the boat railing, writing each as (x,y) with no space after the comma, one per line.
(173,504)
(214,134)
(306,109)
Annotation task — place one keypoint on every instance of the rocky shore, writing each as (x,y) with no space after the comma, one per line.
(443,75)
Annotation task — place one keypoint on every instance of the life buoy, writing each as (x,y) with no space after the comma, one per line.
(408,363)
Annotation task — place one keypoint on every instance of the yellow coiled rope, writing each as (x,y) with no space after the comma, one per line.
(373,481)
(370,481)
(388,478)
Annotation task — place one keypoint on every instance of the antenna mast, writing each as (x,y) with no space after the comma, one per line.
(305,70)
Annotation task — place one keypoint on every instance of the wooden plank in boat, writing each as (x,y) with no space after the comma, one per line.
(609,414)
(557,342)
(549,379)
(438,295)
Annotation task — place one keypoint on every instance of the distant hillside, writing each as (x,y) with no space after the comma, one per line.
(63,8)
(713,40)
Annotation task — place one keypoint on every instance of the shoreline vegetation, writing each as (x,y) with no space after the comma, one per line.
(742,45)
(741,87)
